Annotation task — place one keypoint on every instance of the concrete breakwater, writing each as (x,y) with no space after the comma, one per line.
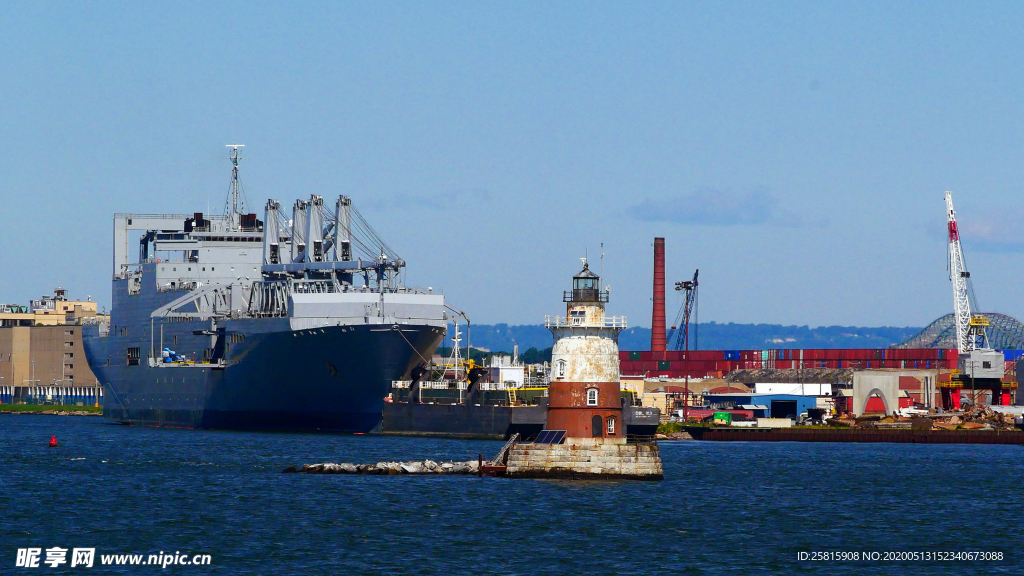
(390,468)
(585,458)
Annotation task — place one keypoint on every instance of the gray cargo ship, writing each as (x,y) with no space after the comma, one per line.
(233,322)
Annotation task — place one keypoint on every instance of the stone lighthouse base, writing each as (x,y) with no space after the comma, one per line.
(586,459)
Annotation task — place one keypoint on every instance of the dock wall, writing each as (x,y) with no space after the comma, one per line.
(856,435)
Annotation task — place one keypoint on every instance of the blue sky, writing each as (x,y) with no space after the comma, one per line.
(796,152)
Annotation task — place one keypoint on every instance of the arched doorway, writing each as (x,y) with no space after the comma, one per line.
(596,426)
(876,402)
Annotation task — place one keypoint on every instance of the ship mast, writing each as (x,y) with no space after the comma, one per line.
(233,217)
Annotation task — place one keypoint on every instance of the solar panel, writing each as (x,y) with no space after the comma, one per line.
(549,437)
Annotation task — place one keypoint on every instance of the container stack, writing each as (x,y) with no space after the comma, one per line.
(718,363)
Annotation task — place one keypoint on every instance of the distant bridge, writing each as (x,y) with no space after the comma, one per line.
(1004,333)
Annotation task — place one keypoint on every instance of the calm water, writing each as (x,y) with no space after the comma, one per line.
(724,508)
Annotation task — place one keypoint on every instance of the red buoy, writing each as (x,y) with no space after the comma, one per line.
(53,441)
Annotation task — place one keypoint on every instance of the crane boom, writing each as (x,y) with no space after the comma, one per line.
(680,333)
(970,326)
(959,276)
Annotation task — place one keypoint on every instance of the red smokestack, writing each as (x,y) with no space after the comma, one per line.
(658,316)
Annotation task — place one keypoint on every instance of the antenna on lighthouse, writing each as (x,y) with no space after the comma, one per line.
(234,215)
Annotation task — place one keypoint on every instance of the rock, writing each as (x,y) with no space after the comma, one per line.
(413,468)
(290,470)
(391,468)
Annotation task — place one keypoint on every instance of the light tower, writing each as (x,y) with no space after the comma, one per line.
(585,435)
(583,397)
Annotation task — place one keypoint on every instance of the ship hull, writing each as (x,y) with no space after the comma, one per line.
(274,378)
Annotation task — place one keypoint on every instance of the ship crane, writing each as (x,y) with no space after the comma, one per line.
(977,365)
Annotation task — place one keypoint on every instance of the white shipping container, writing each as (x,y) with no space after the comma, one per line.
(793,388)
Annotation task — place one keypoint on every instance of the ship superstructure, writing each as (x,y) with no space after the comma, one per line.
(235,322)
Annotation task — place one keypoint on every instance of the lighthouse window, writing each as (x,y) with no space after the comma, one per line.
(561,368)
(592,397)
(585,283)
(611,425)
